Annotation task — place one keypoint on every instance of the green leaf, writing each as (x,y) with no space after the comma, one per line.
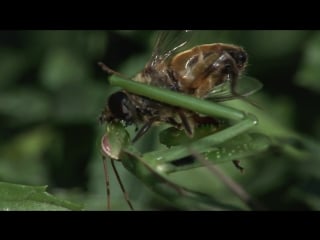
(62,66)
(21,197)
(24,105)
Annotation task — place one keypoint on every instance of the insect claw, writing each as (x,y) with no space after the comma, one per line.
(238,166)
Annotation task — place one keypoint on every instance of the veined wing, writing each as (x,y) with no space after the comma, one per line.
(245,86)
(168,43)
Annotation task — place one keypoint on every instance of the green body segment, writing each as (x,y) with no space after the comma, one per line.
(202,145)
(178,99)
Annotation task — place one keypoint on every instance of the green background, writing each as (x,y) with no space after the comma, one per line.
(52,92)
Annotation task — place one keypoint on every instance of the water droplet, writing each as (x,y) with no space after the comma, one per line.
(159,158)
(253,118)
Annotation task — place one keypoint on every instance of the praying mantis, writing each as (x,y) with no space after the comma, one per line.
(203,131)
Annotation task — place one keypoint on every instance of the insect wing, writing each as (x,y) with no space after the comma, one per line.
(248,85)
(245,86)
(168,43)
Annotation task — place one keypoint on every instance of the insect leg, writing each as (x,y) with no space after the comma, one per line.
(143,130)
(229,182)
(186,123)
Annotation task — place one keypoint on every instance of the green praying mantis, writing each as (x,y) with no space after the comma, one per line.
(187,146)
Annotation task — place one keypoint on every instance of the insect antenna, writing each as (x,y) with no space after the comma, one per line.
(105,169)
(111,71)
(107,178)
(105,152)
(125,193)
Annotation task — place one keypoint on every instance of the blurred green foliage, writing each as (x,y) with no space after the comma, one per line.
(19,197)
(52,92)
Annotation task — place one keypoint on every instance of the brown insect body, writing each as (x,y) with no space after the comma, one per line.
(203,67)
(195,72)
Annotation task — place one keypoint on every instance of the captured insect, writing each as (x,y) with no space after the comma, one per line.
(181,88)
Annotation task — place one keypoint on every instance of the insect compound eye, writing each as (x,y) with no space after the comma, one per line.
(240,57)
(118,103)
